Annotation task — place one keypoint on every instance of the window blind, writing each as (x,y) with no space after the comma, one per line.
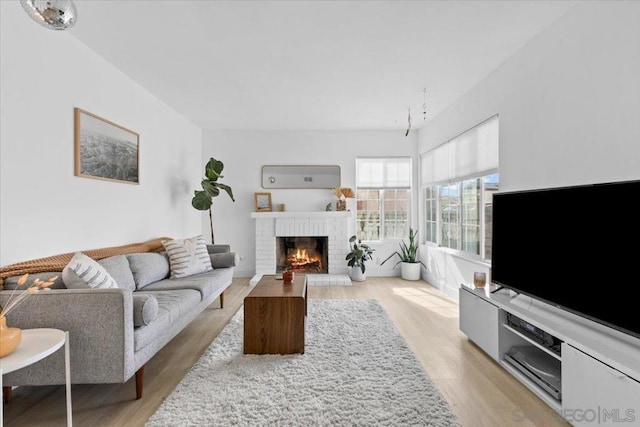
(472,153)
(384,172)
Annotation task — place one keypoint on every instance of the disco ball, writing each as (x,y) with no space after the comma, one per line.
(51,14)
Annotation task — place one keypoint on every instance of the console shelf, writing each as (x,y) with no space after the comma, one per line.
(599,367)
(533,342)
(535,388)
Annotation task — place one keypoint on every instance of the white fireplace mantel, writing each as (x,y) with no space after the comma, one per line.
(304,214)
(336,225)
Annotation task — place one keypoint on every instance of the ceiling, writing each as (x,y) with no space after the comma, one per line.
(309,64)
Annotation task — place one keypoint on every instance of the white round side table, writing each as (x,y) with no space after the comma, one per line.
(37,344)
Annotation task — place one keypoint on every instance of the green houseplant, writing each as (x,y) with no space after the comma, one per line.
(356,258)
(408,257)
(203,199)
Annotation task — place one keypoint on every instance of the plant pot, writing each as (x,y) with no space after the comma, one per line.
(357,275)
(9,338)
(410,270)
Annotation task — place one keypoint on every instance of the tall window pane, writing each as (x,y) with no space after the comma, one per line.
(431,213)
(368,214)
(449,208)
(470,220)
(491,186)
(396,215)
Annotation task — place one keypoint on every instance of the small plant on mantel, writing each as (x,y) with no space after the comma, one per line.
(356,258)
(342,194)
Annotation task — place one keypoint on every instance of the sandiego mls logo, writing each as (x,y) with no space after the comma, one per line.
(595,416)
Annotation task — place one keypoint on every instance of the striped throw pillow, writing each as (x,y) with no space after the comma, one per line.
(187,256)
(83,272)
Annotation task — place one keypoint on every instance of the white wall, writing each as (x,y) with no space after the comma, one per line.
(245,152)
(569,106)
(45,209)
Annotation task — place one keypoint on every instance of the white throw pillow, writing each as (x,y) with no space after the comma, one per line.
(187,256)
(83,272)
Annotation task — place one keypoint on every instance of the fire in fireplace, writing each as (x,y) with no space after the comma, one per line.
(302,254)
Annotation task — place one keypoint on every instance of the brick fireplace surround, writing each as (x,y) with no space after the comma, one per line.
(337,226)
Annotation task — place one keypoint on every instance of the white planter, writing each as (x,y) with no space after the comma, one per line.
(357,275)
(410,270)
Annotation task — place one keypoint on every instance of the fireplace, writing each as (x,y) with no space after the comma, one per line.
(308,254)
(333,227)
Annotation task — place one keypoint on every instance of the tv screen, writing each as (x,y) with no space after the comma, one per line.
(577,248)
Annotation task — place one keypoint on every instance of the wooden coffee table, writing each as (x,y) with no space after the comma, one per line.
(275,315)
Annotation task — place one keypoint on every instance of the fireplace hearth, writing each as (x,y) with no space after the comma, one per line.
(308,254)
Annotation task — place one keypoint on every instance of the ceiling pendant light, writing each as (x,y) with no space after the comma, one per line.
(408,122)
(424,105)
(51,14)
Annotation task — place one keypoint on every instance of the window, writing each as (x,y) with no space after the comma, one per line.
(383,198)
(459,178)
(462,214)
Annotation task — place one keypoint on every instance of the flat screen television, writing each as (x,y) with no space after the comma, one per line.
(577,248)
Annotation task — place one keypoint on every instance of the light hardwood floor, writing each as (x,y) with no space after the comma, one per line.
(478,390)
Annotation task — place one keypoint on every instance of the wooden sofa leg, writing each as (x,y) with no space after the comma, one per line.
(222,300)
(139,382)
(6,394)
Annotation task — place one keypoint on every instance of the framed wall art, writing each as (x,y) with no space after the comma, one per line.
(263,202)
(105,150)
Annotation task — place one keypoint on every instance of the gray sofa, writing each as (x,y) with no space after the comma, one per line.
(114,332)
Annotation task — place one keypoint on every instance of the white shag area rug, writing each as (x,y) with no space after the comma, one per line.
(357,370)
(328,280)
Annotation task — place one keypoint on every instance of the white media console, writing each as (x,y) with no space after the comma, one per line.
(599,366)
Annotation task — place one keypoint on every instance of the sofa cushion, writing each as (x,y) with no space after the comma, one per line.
(187,256)
(172,305)
(10,283)
(118,267)
(84,272)
(208,283)
(145,309)
(148,267)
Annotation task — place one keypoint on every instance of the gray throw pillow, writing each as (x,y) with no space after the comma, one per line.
(84,272)
(10,283)
(118,267)
(218,248)
(148,267)
(224,260)
(145,309)
(187,256)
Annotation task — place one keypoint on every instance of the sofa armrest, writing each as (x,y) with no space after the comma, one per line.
(218,249)
(100,325)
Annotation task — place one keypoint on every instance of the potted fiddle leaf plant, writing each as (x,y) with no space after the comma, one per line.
(410,269)
(203,199)
(356,258)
